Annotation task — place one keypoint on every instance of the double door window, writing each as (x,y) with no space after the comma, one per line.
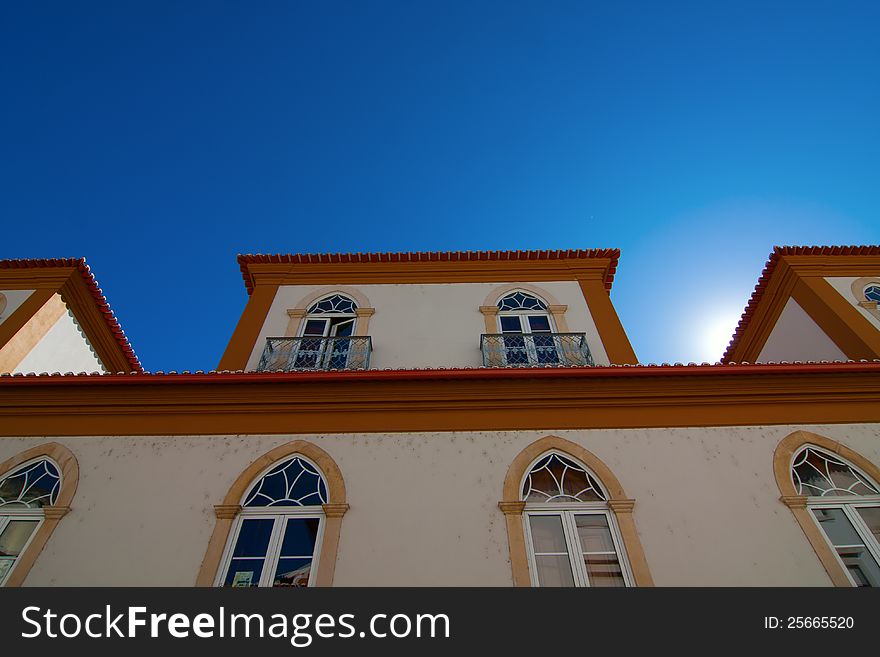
(528,339)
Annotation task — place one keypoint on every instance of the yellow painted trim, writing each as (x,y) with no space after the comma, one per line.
(228,510)
(244,339)
(512,506)
(782,459)
(52,515)
(614,340)
(30,334)
(858,290)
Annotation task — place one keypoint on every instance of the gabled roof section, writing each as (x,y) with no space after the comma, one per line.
(73,279)
(771,267)
(477,263)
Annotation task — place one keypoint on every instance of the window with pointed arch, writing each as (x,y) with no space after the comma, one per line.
(527,330)
(326,325)
(276,539)
(845,503)
(23,494)
(571,535)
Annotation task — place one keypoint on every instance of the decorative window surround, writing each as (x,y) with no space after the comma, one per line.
(800,504)
(858,289)
(228,511)
(68,467)
(364,310)
(617,503)
(489,309)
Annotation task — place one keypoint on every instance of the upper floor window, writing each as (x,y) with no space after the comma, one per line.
(571,534)
(846,505)
(527,330)
(872,293)
(277,535)
(23,494)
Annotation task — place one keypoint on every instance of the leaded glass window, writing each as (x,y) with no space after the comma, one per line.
(23,494)
(276,538)
(337,304)
(872,293)
(845,503)
(571,534)
(521,301)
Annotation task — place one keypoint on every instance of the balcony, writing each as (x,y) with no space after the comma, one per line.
(316,353)
(535,349)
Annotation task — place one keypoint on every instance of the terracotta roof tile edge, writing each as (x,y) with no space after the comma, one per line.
(769,268)
(245,259)
(94,290)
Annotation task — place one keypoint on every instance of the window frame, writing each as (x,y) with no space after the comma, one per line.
(567,512)
(848,506)
(280,514)
(273,550)
(326,351)
(19,513)
(523,315)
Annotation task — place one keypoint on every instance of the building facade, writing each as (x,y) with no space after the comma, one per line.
(444,419)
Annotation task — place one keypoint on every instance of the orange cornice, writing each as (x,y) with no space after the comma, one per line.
(443,400)
(778,282)
(73,280)
(428,267)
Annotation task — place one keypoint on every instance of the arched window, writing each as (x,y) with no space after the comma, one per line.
(872,292)
(845,503)
(23,494)
(327,324)
(276,538)
(527,330)
(571,536)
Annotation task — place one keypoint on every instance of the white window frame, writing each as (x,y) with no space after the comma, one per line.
(326,354)
(848,506)
(18,513)
(526,328)
(280,514)
(273,550)
(567,511)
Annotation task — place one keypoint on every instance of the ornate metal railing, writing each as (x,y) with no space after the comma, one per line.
(290,354)
(534,349)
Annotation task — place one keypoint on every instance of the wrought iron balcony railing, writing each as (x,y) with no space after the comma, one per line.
(314,353)
(534,349)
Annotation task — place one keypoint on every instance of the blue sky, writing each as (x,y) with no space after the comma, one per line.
(160,139)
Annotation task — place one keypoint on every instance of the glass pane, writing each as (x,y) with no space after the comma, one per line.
(15,535)
(861,566)
(294,482)
(244,572)
(299,537)
(547,534)
(292,572)
(837,527)
(6,564)
(315,327)
(604,570)
(32,486)
(253,539)
(539,323)
(871,516)
(594,533)
(510,325)
(819,474)
(554,571)
(342,327)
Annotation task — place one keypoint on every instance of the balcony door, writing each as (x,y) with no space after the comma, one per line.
(324,345)
(527,331)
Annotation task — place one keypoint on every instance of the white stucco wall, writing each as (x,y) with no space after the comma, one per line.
(797,337)
(424,505)
(436,325)
(843,284)
(14,298)
(64,348)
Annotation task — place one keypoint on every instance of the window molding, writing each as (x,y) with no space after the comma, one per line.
(364,309)
(489,309)
(227,511)
(52,515)
(782,460)
(858,290)
(619,505)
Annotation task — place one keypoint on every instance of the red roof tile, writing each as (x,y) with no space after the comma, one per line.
(428,256)
(96,293)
